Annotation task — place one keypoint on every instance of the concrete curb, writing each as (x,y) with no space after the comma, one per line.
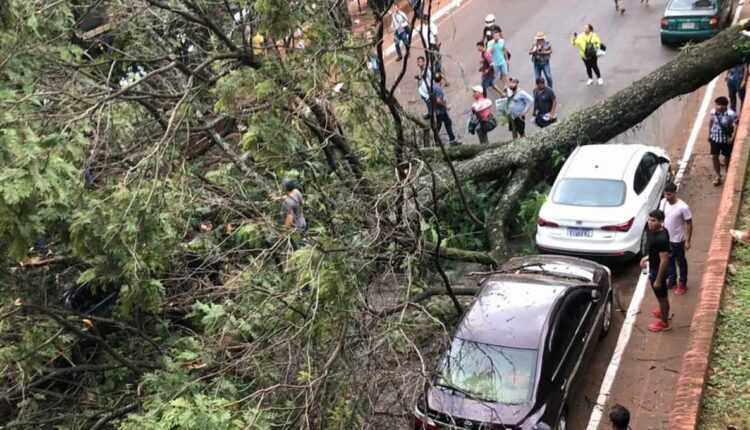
(686,407)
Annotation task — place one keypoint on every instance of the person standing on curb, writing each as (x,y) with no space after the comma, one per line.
(482,121)
(440,107)
(619,417)
(678,220)
(736,79)
(499,58)
(540,55)
(657,261)
(721,134)
(545,104)
(401,30)
(424,80)
(489,29)
(588,44)
(519,102)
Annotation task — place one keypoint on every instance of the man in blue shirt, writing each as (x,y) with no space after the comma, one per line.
(519,102)
(736,80)
(499,57)
(440,108)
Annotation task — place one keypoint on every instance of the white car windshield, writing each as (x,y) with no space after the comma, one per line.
(488,372)
(590,192)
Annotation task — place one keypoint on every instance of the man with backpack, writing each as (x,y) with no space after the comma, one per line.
(401,30)
(721,134)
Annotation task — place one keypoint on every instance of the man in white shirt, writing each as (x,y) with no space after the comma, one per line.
(429,34)
(401,31)
(678,221)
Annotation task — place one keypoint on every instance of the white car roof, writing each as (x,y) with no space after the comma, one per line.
(605,161)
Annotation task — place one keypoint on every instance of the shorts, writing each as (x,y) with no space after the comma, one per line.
(501,70)
(660,292)
(724,149)
(520,124)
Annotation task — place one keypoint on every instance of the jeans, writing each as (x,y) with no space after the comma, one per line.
(592,64)
(543,68)
(677,260)
(443,118)
(487,82)
(401,37)
(735,90)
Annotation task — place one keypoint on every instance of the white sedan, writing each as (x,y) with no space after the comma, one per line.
(600,201)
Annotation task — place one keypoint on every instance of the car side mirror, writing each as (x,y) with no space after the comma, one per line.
(595,294)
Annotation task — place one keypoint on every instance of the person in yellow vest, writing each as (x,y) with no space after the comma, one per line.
(258,48)
(588,45)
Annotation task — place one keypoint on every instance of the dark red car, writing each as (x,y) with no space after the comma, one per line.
(521,349)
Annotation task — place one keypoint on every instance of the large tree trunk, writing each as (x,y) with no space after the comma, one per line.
(695,66)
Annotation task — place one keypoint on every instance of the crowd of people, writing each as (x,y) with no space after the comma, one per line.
(511,103)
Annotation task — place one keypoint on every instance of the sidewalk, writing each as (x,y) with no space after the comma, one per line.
(647,379)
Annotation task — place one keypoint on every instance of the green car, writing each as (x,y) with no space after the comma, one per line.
(695,20)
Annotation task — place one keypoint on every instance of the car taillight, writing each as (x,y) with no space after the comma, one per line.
(423,424)
(714,22)
(624,227)
(664,22)
(541,222)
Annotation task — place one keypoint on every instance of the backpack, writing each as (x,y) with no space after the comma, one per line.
(590,50)
(489,124)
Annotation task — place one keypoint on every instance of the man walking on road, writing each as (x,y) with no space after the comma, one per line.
(678,220)
(721,134)
(540,54)
(519,102)
(485,69)
(499,58)
(401,30)
(545,104)
(657,261)
(440,108)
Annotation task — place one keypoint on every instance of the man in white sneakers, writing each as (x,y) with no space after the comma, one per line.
(678,220)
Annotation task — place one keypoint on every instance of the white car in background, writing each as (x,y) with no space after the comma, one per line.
(600,201)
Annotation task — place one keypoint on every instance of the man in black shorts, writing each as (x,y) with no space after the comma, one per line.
(657,261)
(721,134)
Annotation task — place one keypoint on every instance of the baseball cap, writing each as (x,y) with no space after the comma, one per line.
(477,88)
(489,19)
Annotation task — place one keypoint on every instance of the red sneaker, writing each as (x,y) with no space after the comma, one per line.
(681,289)
(656,312)
(659,326)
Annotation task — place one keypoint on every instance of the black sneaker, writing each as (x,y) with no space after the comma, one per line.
(399,58)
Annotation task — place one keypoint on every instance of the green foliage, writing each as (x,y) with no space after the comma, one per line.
(529,212)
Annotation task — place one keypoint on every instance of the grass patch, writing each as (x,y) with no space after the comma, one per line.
(726,401)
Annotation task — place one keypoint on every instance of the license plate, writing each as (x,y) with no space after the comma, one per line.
(688,26)
(580,232)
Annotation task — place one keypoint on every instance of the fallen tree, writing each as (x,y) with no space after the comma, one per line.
(693,67)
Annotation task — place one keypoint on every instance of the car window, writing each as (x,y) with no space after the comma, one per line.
(489,372)
(692,4)
(572,323)
(644,172)
(589,192)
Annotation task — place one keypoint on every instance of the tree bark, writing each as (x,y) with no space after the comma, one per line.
(695,66)
(516,188)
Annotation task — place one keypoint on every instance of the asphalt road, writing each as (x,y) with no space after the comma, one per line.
(633,51)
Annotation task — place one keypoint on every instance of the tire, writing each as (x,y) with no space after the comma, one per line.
(562,423)
(607,320)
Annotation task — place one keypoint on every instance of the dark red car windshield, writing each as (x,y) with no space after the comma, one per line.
(488,372)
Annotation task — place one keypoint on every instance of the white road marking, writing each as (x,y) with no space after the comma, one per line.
(435,17)
(640,289)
